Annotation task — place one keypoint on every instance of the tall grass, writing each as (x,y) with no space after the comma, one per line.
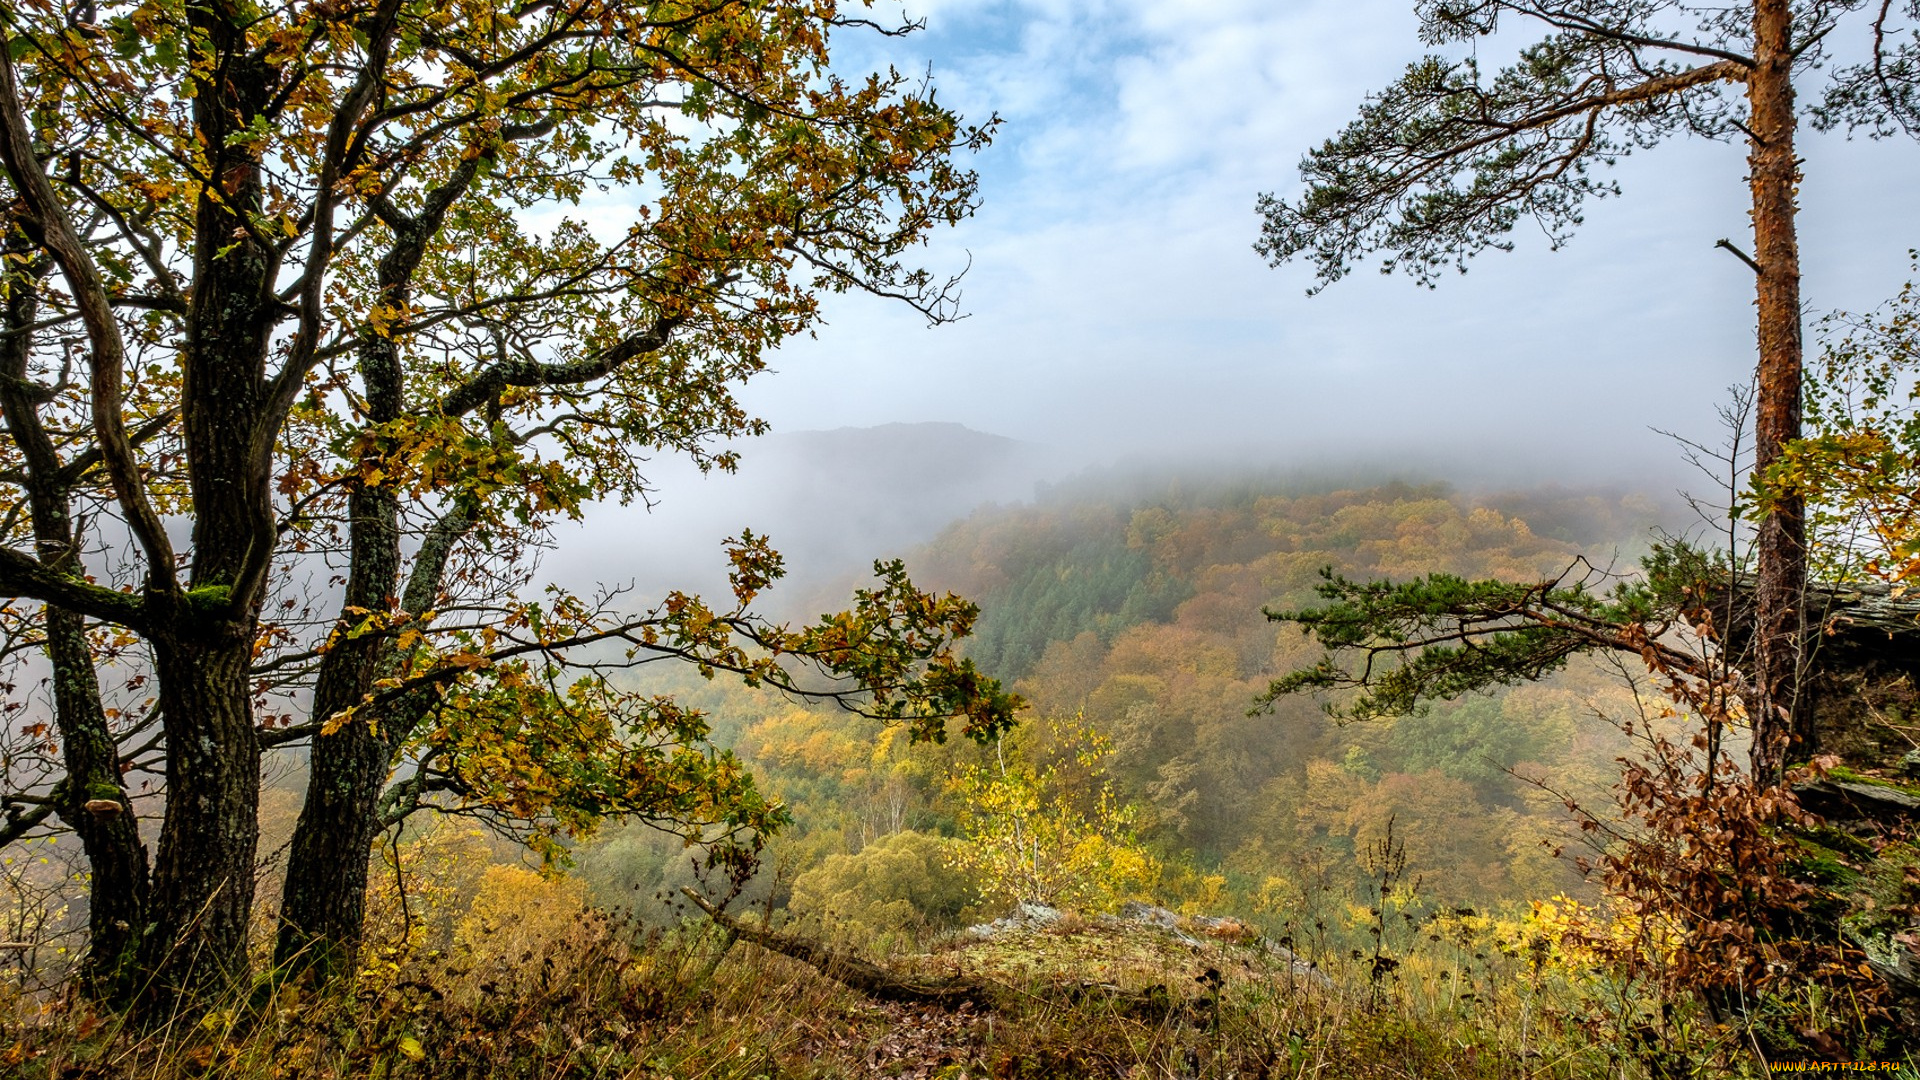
(1464,997)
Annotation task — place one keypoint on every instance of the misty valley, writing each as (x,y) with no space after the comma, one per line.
(756,539)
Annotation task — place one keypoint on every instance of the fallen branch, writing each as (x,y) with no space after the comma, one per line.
(1155,1002)
(857,974)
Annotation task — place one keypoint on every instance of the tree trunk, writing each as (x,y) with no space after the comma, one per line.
(1779,726)
(202,900)
(91,800)
(323,905)
(323,908)
(95,806)
(868,978)
(203,638)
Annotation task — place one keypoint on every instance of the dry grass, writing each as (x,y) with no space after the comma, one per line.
(599,1003)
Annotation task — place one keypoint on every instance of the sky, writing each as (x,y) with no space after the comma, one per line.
(1118,315)
(1117,310)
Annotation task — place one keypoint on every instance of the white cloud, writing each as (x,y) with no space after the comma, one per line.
(1117,304)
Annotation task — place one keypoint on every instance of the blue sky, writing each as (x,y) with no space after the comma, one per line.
(1117,307)
(1119,312)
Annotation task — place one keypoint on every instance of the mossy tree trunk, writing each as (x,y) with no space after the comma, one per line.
(323,908)
(92,800)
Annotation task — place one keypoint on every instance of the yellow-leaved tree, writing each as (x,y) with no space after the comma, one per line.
(1043,822)
(1859,465)
(903,882)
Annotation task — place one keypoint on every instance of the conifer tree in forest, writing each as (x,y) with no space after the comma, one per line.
(305,291)
(1446,161)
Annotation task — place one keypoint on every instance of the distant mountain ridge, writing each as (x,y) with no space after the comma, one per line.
(1109,550)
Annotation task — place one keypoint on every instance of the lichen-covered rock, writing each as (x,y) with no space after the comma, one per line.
(1026,916)
(1199,934)
(1148,915)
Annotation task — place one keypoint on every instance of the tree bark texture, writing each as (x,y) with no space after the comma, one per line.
(203,873)
(230,320)
(1779,725)
(203,639)
(118,889)
(323,905)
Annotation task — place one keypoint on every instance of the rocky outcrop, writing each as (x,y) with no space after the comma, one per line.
(1026,916)
(1226,929)
(1192,930)
(1203,934)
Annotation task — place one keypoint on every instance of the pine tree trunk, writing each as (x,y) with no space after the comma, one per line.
(1781,557)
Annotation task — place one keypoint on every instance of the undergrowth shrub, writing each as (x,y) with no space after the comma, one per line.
(899,886)
(1720,934)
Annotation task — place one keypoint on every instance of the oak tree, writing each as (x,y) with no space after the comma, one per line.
(309,338)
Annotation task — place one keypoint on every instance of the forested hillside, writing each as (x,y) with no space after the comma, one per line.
(1132,621)
(1145,617)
